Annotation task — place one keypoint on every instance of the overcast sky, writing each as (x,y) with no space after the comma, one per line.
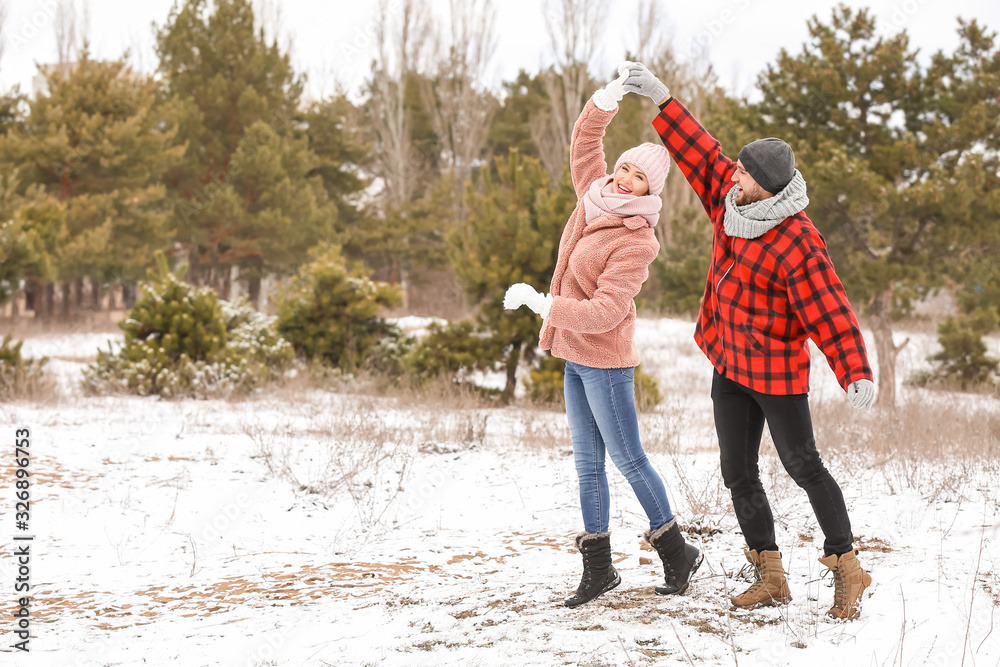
(330,40)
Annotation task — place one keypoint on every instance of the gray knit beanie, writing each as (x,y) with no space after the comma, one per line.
(770,161)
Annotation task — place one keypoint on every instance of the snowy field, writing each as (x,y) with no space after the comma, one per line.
(307,528)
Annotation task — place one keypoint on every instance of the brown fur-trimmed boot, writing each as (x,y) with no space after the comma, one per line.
(850,582)
(771,588)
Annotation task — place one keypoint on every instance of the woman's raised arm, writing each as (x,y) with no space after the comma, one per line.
(586,152)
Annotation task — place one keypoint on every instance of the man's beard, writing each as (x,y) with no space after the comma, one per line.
(744,196)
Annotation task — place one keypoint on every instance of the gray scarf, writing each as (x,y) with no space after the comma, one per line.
(753,220)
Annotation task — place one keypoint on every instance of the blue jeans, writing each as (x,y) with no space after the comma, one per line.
(600,404)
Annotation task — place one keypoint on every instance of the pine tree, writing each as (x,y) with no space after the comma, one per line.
(901,162)
(407,160)
(523,98)
(330,313)
(511,235)
(239,99)
(97,144)
(32,228)
(272,210)
(13,109)
(333,127)
(963,354)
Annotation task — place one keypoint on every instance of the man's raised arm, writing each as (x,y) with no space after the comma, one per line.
(696,152)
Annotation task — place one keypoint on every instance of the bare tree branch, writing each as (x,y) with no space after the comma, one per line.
(64,25)
(548,140)
(83,27)
(574,28)
(3,20)
(691,80)
(270,20)
(653,38)
(459,109)
(400,41)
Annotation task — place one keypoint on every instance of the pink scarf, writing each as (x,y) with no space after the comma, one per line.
(602,199)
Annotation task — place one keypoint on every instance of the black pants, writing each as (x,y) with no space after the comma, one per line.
(739,420)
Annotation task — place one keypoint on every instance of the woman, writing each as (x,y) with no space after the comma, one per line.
(589,320)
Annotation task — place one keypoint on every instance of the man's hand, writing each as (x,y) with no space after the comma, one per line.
(861,393)
(641,80)
(520,294)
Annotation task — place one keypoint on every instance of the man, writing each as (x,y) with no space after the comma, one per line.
(771,286)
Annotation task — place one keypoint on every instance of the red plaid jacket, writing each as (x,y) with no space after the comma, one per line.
(765,297)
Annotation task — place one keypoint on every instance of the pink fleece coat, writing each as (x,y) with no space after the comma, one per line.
(601,266)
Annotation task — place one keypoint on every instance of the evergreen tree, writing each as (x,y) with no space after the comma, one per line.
(96,145)
(31,231)
(239,98)
(511,235)
(511,127)
(963,354)
(901,162)
(13,110)
(330,313)
(333,127)
(273,211)
(407,161)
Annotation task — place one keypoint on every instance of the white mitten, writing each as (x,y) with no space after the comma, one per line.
(521,294)
(607,98)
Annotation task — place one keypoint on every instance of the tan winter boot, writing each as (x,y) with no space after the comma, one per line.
(771,588)
(850,582)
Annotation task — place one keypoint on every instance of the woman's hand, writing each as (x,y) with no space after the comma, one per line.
(641,80)
(521,294)
(608,97)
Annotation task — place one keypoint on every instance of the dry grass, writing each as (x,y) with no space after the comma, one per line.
(661,431)
(357,447)
(940,431)
(987,388)
(961,440)
(436,393)
(36,387)
(705,499)
(26,327)
(385,422)
(350,448)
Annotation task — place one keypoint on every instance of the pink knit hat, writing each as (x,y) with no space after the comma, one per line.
(652,159)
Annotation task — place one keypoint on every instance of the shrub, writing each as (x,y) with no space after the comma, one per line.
(254,335)
(545,385)
(545,381)
(453,349)
(962,359)
(330,313)
(387,358)
(19,377)
(183,341)
(647,391)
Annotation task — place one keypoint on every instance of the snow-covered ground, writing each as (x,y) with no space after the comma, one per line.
(312,528)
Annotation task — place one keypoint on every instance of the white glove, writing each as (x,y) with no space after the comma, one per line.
(861,393)
(607,98)
(520,294)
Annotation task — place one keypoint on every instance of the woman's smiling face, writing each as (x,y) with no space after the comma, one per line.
(629,180)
